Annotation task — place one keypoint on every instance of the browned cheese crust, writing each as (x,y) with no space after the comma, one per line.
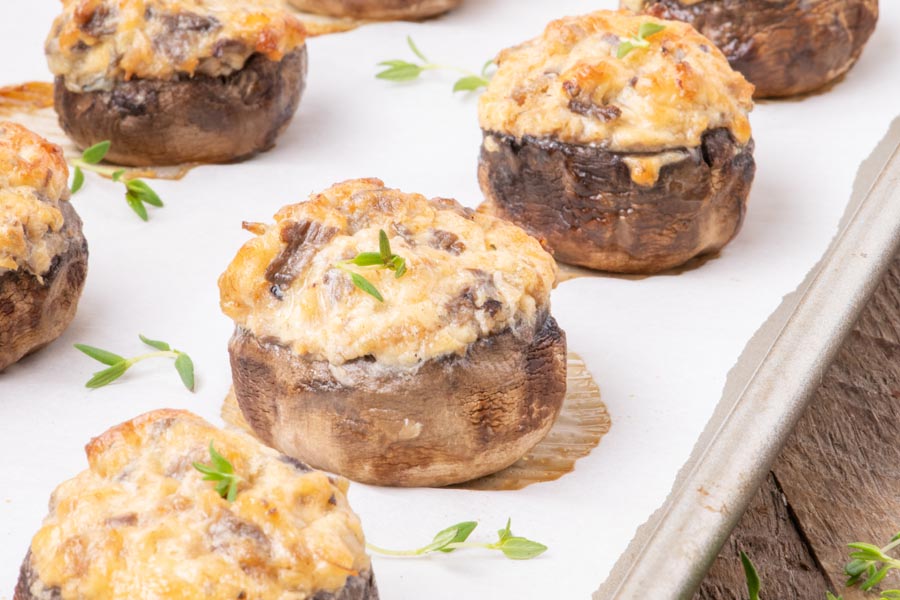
(200,119)
(784,47)
(34,310)
(631,162)
(454,419)
(584,203)
(384,10)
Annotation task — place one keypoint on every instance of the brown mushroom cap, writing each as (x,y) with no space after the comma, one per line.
(450,420)
(378,9)
(200,119)
(583,202)
(785,47)
(33,311)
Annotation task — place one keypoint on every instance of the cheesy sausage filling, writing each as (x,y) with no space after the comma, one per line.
(570,85)
(142,523)
(468,276)
(33,182)
(95,43)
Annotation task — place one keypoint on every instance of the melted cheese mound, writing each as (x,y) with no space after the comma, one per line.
(95,43)
(569,85)
(469,276)
(33,181)
(141,523)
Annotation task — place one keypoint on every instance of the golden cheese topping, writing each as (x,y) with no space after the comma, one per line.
(141,523)
(570,86)
(469,276)
(33,181)
(95,43)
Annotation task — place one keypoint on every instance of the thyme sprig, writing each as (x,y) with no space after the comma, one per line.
(119,365)
(222,472)
(403,70)
(626,45)
(871,564)
(753,583)
(137,192)
(456,537)
(383,259)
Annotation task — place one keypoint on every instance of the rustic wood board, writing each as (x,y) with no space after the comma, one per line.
(837,479)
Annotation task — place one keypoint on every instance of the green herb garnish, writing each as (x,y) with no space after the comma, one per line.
(118,365)
(752,576)
(871,564)
(640,40)
(383,259)
(455,537)
(137,192)
(222,472)
(402,70)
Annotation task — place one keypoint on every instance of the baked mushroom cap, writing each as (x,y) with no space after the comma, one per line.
(176,82)
(456,374)
(627,162)
(378,9)
(785,47)
(43,253)
(141,522)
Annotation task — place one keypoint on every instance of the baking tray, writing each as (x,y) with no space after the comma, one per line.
(663,349)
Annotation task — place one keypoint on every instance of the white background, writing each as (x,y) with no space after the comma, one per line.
(659,347)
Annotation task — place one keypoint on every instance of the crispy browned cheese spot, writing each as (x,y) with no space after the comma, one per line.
(784,48)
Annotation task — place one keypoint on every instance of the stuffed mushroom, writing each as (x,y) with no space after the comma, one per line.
(176,81)
(623,142)
(143,522)
(43,253)
(425,355)
(784,47)
(378,9)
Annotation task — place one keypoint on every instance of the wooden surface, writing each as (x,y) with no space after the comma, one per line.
(838,478)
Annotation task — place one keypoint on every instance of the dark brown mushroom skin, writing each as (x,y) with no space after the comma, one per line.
(783,47)
(583,204)
(450,420)
(382,10)
(198,119)
(358,587)
(33,313)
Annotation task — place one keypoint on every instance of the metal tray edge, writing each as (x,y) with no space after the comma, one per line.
(765,395)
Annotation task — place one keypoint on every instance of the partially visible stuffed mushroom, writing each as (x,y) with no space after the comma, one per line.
(176,82)
(425,356)
(621,141)
(43,254)
(784,47)
(147,520)
(378,9)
